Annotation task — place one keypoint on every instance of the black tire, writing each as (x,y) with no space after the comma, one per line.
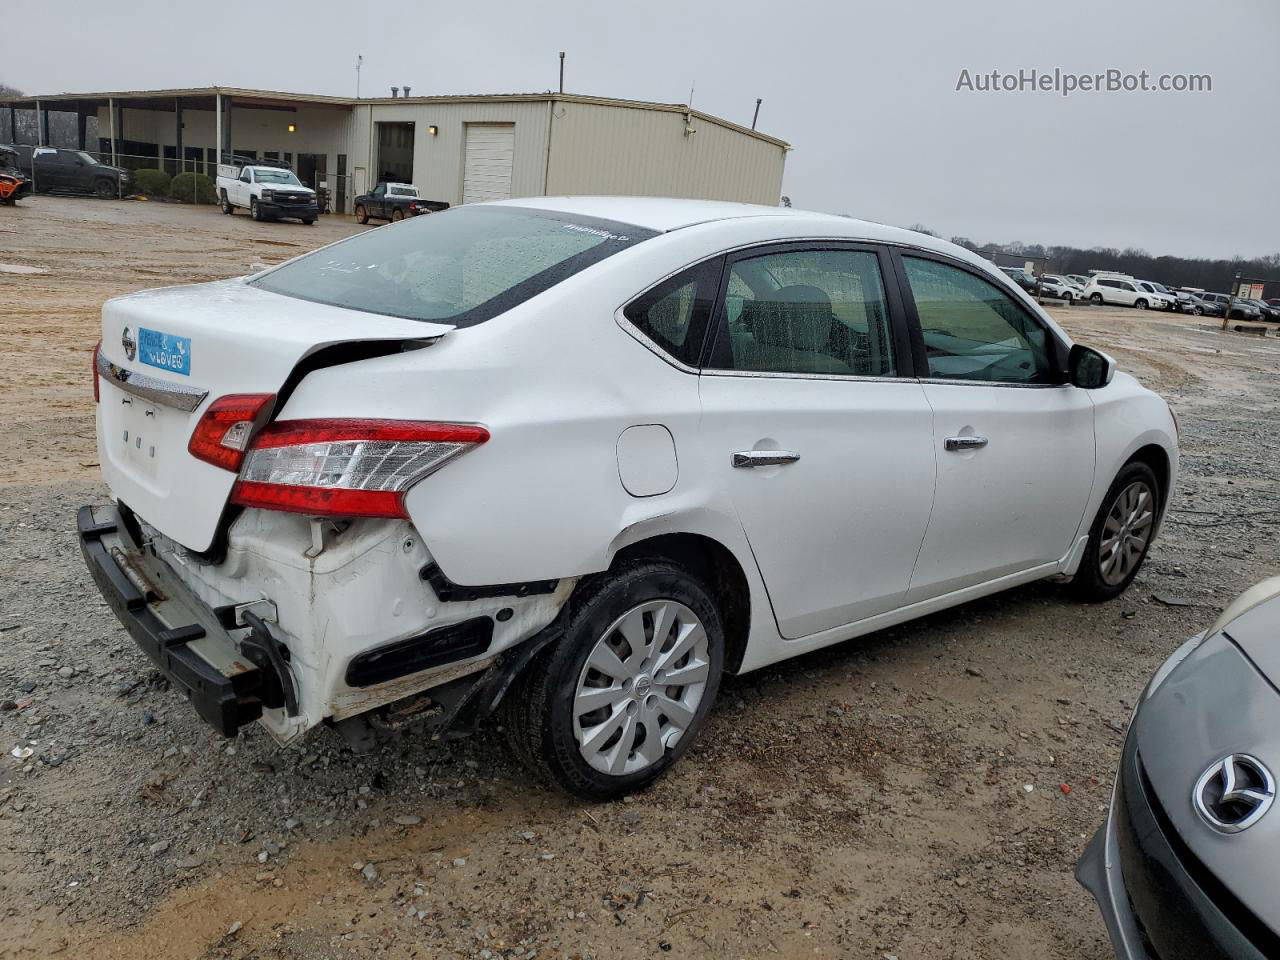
(1089,583)
(362,215)
(254,212)
(227,207)
(1198,311)
(1095,299)
(104,189)
(1140,304)
(308,220)
(397,215)
(538,711)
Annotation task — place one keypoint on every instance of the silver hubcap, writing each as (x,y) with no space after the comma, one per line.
(640,687)
(1126,532)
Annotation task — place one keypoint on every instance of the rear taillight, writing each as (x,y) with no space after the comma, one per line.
(223,433)
(97,392)
(347,468)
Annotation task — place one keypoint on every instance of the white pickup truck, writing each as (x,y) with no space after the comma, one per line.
(269,192)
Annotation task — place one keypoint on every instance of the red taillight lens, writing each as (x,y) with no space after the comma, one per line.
(97,391)
(222,436)
(347,468)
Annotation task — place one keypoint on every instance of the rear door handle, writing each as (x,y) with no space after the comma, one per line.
(764,458)
(965,443)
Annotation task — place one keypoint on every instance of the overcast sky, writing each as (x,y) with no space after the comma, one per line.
(864,91)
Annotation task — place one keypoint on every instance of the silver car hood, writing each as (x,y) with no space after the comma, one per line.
(1215,703)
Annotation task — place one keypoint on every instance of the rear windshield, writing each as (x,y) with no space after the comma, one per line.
(461,267)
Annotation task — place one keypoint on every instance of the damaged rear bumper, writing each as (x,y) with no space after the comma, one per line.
(227,696)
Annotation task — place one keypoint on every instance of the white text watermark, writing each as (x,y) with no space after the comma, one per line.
(1065,83)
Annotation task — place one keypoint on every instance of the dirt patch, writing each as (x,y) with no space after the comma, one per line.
(863,800)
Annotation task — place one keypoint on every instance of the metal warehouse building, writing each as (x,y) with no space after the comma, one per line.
(457,149)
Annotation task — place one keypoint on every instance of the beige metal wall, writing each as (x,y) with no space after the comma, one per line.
(632,151)
(438,160)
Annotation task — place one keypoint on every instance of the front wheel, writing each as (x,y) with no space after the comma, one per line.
(1067,296)
(1140,305)
(621,696)
(1120,536)
(104,189)
(254,211)
(1198,311)
(362,215)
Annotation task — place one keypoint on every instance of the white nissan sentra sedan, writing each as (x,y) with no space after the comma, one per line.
(583,456)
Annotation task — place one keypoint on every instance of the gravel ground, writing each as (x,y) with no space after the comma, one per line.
(921,793)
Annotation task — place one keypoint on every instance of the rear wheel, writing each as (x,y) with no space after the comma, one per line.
(1120,536)
(1096,299)
(227,208)
(308,220)
(621,696)
(397,214)
(362,215)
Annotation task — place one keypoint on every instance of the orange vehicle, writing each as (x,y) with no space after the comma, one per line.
(13,182)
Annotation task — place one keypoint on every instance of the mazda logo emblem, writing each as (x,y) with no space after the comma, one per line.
(130,345)
(1234,793)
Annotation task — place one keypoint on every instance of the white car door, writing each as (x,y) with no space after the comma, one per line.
(818,431)
(1014,443)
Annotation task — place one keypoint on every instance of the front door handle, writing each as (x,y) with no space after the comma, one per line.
(764,458)
(965,443)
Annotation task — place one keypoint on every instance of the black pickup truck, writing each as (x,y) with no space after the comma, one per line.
(55,168)
(394,201)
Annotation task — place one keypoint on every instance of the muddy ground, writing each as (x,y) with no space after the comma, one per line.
(869,800)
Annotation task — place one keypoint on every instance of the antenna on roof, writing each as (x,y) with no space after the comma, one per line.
(359,61)
(691,88)
(756,116)
(562,71)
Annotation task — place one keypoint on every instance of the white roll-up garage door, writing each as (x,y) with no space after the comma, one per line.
(487,171)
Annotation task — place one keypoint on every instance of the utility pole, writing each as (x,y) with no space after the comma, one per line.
(562,71)
(756,116)
(359,61)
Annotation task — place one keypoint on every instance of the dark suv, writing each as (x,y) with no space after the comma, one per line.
(54,168)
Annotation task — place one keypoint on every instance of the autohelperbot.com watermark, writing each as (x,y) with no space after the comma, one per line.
(1066,82)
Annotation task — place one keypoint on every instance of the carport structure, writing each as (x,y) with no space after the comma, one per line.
(181,130)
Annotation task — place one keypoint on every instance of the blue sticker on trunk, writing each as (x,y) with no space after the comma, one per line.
(165,350)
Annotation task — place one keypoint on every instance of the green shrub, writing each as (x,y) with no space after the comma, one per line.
(192,188)
(152,183)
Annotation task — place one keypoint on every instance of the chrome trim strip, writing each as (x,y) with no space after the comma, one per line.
(775,375)
(146,387)
(1004,385)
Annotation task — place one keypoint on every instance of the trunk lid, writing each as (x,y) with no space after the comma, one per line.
(180,348)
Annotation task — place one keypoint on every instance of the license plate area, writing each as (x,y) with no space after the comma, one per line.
(143,435)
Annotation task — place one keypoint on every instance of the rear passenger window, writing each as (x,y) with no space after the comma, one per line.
(973,331)
(674,314)
(809,311)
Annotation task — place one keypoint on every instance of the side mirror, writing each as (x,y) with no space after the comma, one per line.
(1088,368)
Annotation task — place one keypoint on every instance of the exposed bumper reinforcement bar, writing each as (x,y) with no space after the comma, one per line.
(225,702)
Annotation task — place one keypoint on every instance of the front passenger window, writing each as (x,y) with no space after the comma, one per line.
(972,331)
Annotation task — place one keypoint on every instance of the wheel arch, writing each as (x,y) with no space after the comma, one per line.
(715,565)
(1155,457)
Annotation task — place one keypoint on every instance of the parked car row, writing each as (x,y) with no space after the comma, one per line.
(1118,289)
